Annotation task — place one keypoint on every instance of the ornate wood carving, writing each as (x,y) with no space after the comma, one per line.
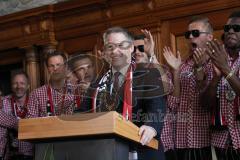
(77,25)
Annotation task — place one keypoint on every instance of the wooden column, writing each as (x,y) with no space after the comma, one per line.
(166,39)
(32,67)
(46,49)
(157,39)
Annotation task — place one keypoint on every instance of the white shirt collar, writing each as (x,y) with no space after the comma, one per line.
(123,71)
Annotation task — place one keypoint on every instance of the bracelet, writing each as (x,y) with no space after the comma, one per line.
(151,58)
(230,74)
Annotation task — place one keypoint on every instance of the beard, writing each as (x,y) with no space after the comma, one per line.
(56,77)
(19,94)
(235,47)
(57,80)
(232,42)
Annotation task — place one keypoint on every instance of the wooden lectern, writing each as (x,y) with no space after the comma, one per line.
(88,136)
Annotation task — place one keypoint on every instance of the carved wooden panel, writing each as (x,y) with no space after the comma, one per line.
(85,43)
(11,56)
(78,25)
(176,3)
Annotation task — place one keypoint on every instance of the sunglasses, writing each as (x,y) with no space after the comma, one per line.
(235,27)
(139,47)
(195,33)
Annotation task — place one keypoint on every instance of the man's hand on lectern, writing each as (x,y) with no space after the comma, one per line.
(147,133)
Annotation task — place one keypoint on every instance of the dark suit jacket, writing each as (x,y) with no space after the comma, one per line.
(148,104)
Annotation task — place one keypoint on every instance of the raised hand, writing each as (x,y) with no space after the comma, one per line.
(174,61)
(148,43)
(103,55)
(200,57)
(219,57)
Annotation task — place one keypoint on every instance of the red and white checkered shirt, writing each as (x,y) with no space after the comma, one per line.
(10,121)
(187,122)
(220,138)
(38,102)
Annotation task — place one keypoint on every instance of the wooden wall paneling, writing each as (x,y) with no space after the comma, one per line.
(193,8)
(79,31)
(83,43)
(11,56)
(77,19)
(177,28)
(165,38)
(10,32)
(166,4)
(76,25)
(127,9)
(26,28)
(71,5)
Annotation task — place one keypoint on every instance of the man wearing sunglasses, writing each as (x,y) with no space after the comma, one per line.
(124,88)
(186,135)
(140,55)
(144,48)
(225,90)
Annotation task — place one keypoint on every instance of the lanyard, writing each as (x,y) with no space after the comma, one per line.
(236,99)
(77,98)
(50,99)
(127,99)
(19,112)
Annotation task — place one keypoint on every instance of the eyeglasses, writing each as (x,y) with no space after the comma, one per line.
(195,33)
(123,45)
(235,27)
(139,47)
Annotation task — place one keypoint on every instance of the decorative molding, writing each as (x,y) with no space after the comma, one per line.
(80,22)
(78,25)
(74,19)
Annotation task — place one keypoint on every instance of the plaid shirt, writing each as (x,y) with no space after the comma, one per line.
(186,123)
(9,121)
(38,102)
(220,138)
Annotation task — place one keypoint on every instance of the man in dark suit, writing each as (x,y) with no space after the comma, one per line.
(135,91)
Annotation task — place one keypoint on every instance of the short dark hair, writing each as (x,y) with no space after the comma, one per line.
(20,72)
(202,19)
(77,56)
(117,30)
(55,53)
(235,14)
(139,37)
